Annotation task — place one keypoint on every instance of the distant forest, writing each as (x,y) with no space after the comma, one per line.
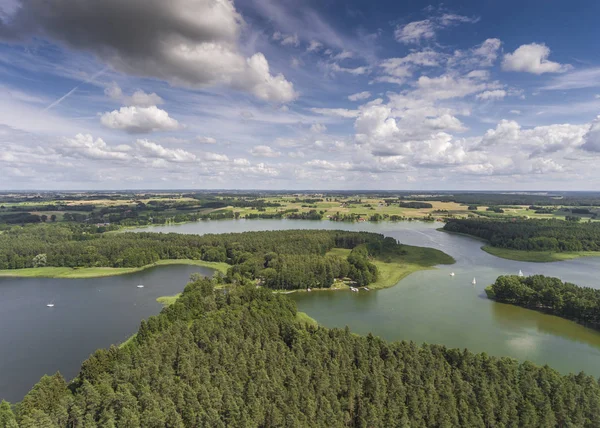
(242,358)
(550,295)
(586,199)
(279,259)
(418,205)
(531,235)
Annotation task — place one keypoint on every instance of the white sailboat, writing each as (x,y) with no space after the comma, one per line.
(474,281)
(521,273)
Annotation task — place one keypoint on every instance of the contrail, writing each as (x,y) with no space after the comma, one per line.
(68,94)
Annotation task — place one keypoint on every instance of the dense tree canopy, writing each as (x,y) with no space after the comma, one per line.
(580,304)
(280,259)
(418,205)
(241,358)
(502,198)
(531,235)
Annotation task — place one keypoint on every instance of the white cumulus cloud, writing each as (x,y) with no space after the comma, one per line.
(496,94)
(264,151)
(139,98)
(85,146)
(139,120)
(206,140)
(359,96)
(155,150)
(532,58)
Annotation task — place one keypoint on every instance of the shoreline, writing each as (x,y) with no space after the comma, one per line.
(101,272)
(536,256)
(477,238)
(149,226)
(526,256)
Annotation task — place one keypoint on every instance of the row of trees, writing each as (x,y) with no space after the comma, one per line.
(488,199)
(281,259)
(242,359)
(418,205)
(580,304)
(531,235)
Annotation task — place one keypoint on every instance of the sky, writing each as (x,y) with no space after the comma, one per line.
(299,94)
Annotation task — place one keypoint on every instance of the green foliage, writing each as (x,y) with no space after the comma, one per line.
(502,198)
(278,259)
(40,260)
(7,417)
(419,205)
(551,295)
(241,358)
(49,400)
(531,235)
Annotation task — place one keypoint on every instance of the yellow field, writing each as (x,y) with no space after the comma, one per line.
(367,208)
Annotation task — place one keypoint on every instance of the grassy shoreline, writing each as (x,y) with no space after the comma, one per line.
(392,271)
(99,272)
(527,256)
(536,256)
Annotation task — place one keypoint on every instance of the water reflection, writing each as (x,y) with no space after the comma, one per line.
(523,319)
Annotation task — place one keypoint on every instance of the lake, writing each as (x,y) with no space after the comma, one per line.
(433,307)
(428,306)
(88,314)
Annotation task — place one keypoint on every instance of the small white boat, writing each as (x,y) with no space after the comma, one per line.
(354,289)
(521,273)
(308,289)
(366,288)
(474,281)
(50,305)
(451,273)
(140,286)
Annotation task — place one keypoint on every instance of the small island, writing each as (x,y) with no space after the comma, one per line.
(549,295)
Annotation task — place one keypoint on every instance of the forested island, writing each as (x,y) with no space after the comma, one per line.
(287,260)
(549,295)
(533,239)
(242,357)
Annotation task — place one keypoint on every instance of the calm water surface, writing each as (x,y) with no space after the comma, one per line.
(428,306)
(88,314)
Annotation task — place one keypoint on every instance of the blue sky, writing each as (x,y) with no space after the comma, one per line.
(266,94)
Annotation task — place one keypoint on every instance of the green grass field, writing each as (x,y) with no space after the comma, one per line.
(536,256)
(393,269)
(128,341)
(168,300)
(376,205)
(303,318)
(97,272)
